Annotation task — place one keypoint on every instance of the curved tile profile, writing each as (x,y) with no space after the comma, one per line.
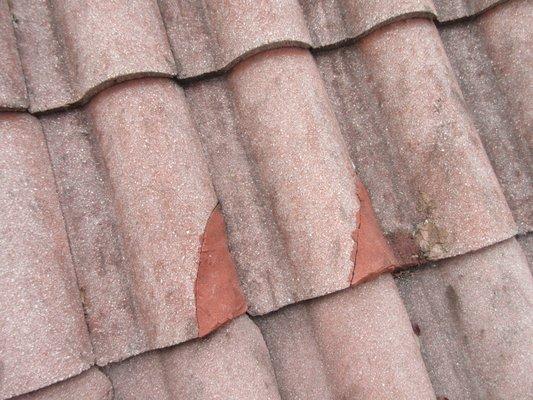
(12,85)
(70,50)
(413,144)
(232,363)
(73,49)
(357,343)
(458,9)
(209,36)
(284,179)
(136,195)
(492,57)
(43,334)
(475,319)
(89,385)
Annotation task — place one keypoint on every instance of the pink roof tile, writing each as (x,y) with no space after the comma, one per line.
(475,321)
(12,85)
(137,197)
(232,363)
(272,109)
(357,343)
(413,143)
(114,248)
(89,385)
(42,330)
(71,50)
(492,57)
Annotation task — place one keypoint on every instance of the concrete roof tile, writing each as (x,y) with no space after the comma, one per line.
(475,316)
(356,343)
(89,385)
(12,85)
(232,363)
(414,144)
(42,329)
(137,197)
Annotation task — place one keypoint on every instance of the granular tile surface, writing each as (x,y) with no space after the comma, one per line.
(205,200)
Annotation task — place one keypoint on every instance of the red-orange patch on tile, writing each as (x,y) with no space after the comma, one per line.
(373,254)
(219,298)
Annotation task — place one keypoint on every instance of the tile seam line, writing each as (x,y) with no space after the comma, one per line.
(91,93)
(17,47)
(67,233)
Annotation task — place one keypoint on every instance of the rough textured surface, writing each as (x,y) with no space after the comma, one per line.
(413,143)
(475,316)
(493,57)
(428,114)
(232,363)
(12,86)
(373,254)
(89,385)
(136,196)
(458,9)
(71,49)
(526,242)
(42,331)
(219,297)
(354,344)
(290,218)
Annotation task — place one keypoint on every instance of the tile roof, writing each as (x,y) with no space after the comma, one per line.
(230,174)
(232,363)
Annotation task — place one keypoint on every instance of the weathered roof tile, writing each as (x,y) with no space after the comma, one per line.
(12,85)
(89,385)
(71,49)
(282,174)
(413,143)
(492,57)
(42,330)
(232,363)
(475,315)
(357,343)
(137,196)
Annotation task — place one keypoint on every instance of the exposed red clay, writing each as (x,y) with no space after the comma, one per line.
(372,254)
(219,298)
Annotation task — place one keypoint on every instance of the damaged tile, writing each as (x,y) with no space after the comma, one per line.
(413,143)
(281,171)
(137,196)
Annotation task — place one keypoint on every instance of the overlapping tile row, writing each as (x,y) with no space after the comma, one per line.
(354,344)
(149,247)
(42,329)
(414,144)
(137,198)
(284,179)
(492,57)
(12,85)
(232,363)
(70,49)
(474,316)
